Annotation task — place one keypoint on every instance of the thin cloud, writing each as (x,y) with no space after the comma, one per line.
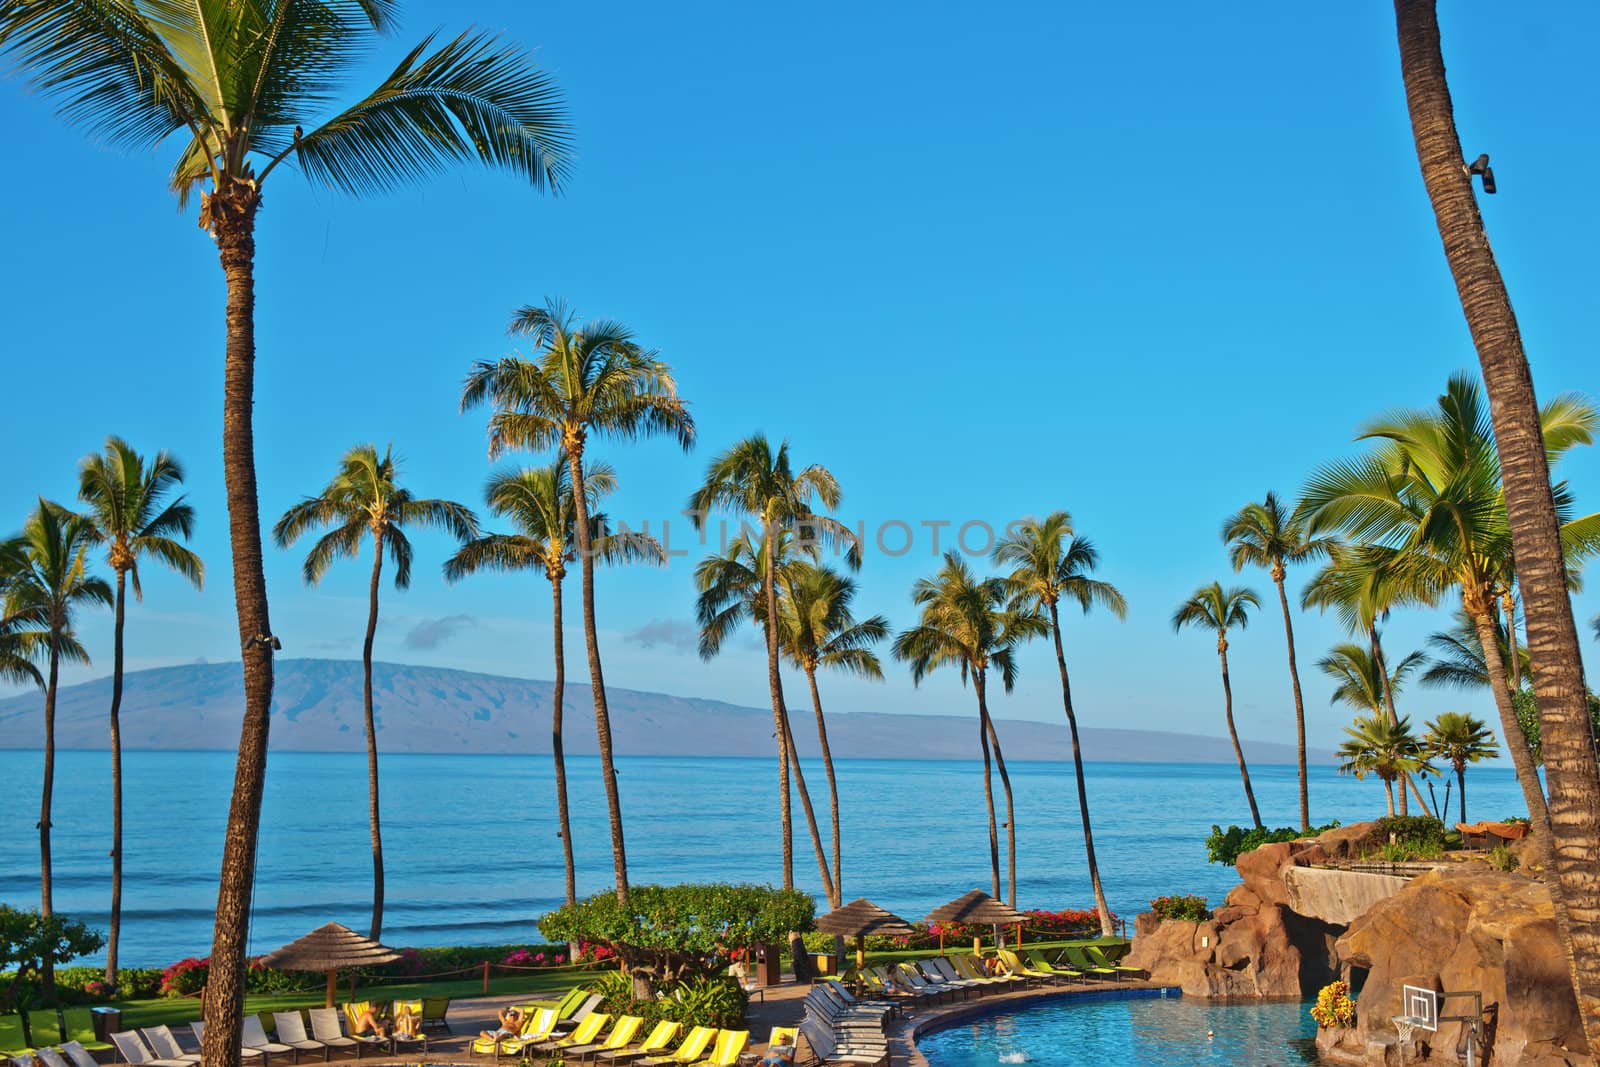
(431,633)
(668,633)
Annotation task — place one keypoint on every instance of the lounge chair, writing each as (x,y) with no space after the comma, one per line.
(726,1051)
(1017,965)
(1097,955)
(50,1057)
(1080,960)
(658,1039)
(198,1029)
(77,1055)
(24,1059)
(583,1034)
(80,1028)
(587,1006)
(884,986)
(827,1049)
(1037,961)
(910,977)
(970,967)
(841,1016)
(780,1039)
(417,1039)
(434,1010)
(352,1018)
(291,1030)
(44,1026)
(693,1047)
(325,1028)
(165,1044)
(536,1026)
(883,1009)
(564,1005)
(132,1049)
(254,1035)
(621,1036)
(953,982)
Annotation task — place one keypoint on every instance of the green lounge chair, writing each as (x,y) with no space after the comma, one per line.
(1096,954)
(44,1026)
(434,1009)
(564,1005)
(1080,960)
(12,1043)
(80,1028)
(1039,963)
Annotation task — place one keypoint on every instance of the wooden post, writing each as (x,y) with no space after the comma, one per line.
(485,977)
(333,988)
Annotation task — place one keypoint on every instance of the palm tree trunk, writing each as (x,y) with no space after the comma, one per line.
(1461,788)
(1394,717)
(1516,744)
(811,816)
(1011,813)
(1552,637)
(1238,750)
(233,211)
(46,796)
(115,923)
(1299,708)
(837,896)
(988,783)
(780,717)
(1388,788)
(1508,599)
(372,738)
(1102,909)
(597,681)
(557,749)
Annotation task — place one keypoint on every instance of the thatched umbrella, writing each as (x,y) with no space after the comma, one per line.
(329,948)
(859,918)
(977,908)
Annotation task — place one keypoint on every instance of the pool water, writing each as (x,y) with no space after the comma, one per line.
(1094,1029)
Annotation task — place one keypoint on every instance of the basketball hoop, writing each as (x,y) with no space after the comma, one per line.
(1406,1026)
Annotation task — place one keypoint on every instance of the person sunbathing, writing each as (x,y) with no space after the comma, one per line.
(369,1023)
(405,1023)
(510,1024)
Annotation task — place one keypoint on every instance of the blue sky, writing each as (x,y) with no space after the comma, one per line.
(1139,263)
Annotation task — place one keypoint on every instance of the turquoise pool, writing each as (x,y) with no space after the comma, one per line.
(1115,1029)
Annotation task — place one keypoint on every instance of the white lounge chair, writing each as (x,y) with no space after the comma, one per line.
(78,1054)
(254,1036)
(325,1028)
(51,1058)
(198,1029)
(291,1030)
(166,1045)
(132,1049)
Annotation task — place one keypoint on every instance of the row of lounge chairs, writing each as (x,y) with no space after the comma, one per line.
(590,1039)
(842,1028)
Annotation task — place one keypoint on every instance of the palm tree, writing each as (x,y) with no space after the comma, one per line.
(1360,678)
(1267,535)
(20,633)
(538,503)
(587,378)
(1218,610)
(816,629)
(1458,660)
(243,85)
(1569,755)
(754,480)
(364,500)
(1429,494)
(129,507)
(1385,747)
(1049,563)
(1461,739)
(51,586)
(974,624)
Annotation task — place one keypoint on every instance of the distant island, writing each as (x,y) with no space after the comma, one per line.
(317,708)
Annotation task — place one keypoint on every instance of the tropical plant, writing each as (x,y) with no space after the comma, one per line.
(1375,744)
(1335,1007)
(364,500)
(20,633)
(816,629)
(1429,493)
(1570,760)
(1271,536)
(1186,907)
(1050,562)
(34,942)
(1226,846)
(755,481)
(587,378)
(243,83)
(974,625)
(50,587)
(537,501)
(129,507)
(1219,610)
(1460,739)
(1360,678)
(1458,661)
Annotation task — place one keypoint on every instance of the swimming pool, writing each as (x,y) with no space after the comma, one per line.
(1097,1029)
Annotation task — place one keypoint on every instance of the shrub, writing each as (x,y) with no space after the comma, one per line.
(1226,846)
(1500,858)
(1187,908)
(1335,1008)
(1422,833)
(698,1001)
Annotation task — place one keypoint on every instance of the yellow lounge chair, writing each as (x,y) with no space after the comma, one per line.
(620,1037)
(660,1037)
(693,1047)
(583,1034)
(726,1053)
(781,1038)
(536,1026)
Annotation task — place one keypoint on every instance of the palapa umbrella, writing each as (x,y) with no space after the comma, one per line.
(859,918)
(328,948)
(977,908)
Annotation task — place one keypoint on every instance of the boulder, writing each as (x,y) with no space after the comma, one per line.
(1241,952)
(1463,929)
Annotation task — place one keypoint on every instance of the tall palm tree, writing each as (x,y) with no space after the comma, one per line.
(1458,661)
(364,500)
(1569,755)
(20,632)
(243,84)
(1050,562)
(1360,679)
(133,517)
(1386,747)
(587,378)
(1271,536)
(753,480)
(1461,739)
(974,625)
(537,501)
(817,630)
(1220,610)
(51,586)
(1429,492)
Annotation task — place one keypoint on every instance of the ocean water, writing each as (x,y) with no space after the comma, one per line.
(472,855)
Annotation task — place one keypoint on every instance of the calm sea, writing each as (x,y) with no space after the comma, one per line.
(472,853)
